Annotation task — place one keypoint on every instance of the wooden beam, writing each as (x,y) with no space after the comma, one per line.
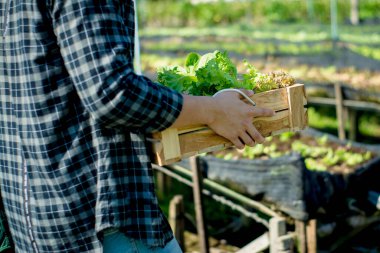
(198,202)
(228,192)
(351,104)
(260,244)
(321,101)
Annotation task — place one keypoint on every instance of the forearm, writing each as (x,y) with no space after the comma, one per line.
(195,111)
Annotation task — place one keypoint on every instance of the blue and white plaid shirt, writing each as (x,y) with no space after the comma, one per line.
(74,116)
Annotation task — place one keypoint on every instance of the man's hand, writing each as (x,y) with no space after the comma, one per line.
(232,119)
(227,114)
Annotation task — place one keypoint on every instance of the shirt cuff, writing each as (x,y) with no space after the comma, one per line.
(167,111)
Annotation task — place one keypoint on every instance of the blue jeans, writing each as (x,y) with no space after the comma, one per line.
(117,242)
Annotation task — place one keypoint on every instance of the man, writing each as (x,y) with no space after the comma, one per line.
(75,175)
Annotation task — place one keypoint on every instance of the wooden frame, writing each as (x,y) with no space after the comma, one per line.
(174,144)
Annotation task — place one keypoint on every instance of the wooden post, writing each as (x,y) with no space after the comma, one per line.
(301,236)
(198,201)
(354,121)
(176,219)
(339,111)
(277,228)
(164,184)
(311,234)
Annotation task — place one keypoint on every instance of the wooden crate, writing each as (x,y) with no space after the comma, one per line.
(174,144)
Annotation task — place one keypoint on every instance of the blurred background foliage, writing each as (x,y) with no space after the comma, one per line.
(166,13)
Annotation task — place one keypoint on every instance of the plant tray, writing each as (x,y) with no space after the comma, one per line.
(174,144)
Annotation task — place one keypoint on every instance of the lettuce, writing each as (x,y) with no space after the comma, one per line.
(205,75)
(176,78)
(202,75)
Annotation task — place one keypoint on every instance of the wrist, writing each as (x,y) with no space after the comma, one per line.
(196,110)
(210,110)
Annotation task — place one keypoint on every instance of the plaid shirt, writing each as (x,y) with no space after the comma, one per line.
(74,116)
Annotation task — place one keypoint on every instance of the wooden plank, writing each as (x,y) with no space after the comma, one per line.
(362,105)
(170,143)
(351,104)
(296,100)
(200,141)
(260,244)
(198,202)
(274,125)
(277,100)
(158,156)
(321,101)
(206,140)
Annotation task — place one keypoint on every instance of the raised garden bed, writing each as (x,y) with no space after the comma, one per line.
(285,183)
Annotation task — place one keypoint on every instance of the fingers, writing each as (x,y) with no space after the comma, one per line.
(261,112)
(250,136)
(247,135)
(234,120)
(255,135)
(238,143)
(247,139)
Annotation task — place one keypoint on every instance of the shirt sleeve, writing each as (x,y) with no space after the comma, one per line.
(96,39)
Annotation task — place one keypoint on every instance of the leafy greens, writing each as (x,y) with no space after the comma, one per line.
(205,75)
